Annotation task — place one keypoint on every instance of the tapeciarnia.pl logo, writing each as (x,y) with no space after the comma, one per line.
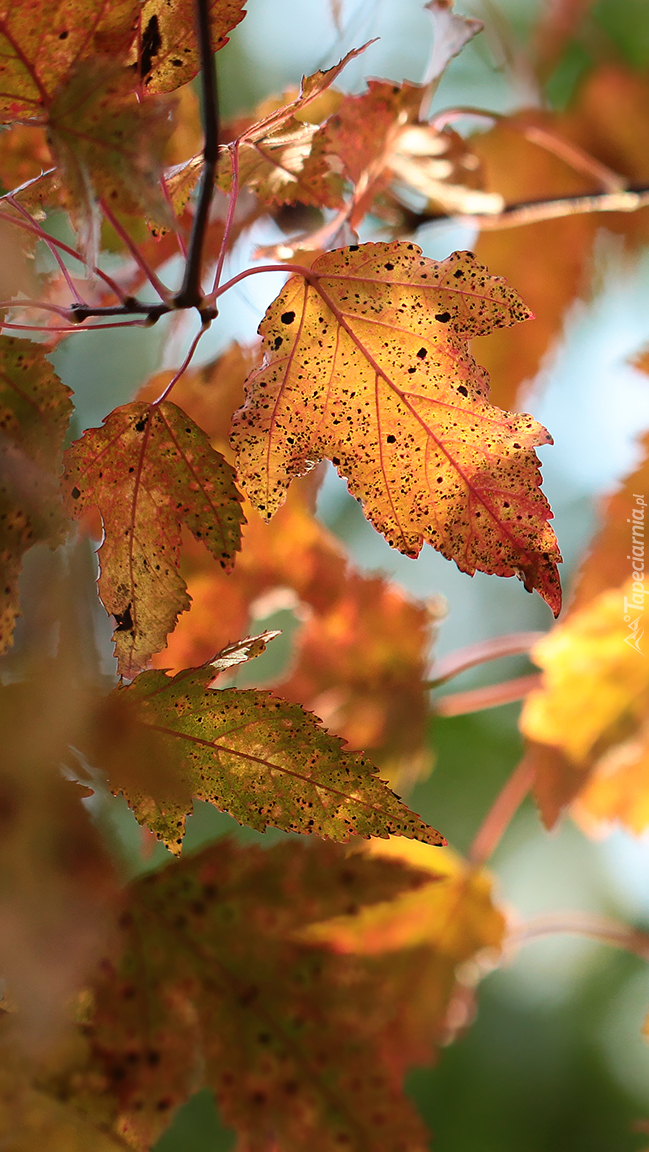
(634,606)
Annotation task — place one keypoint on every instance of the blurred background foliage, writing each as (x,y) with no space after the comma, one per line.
(555,1056)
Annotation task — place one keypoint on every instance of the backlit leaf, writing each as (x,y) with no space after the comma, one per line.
(298,1043)
(594,694)
(367,365)
(264,760)
(362,666)
(40,44)
(149,469)
(451,920)
(168,50)
(108,144)
(35,409)
(450,33)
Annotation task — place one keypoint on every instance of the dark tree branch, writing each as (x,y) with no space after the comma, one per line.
(191,295)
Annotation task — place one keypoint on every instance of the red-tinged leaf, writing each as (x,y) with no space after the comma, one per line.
(24,155)
(285,166)
(362,667)
(35,409)
(310,89)
(521,170)
(168,52)
(40,43)
(149,469)
(108,144)
(263,760)
(367,364)
(297,1043)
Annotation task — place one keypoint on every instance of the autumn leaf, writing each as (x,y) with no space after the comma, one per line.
(41,44)
(168,52)
(451,920)
(520,169)
(32,1117)
(281,155)
(35,409)
(233,1002)
(595,145)
(265,761)
(149,469)
(362,667)
(367,364)
(594,694)
(108,144)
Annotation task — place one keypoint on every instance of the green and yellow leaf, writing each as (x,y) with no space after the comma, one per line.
(264,760)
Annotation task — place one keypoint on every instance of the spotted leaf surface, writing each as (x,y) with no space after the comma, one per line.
(35,409)
(40,43)
(301,1046)
(265,761)
(367,364)
(149,469)
(108,144)
(168,48)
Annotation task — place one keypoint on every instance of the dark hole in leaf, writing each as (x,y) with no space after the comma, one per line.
(124,620)
(151,44)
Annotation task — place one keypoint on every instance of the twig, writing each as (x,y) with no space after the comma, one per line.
(582,924)
(499,816)
(234,193)
(191,294)
(52,247)
(531,211)
(477,699)
(154,281)
(36,230)
(513,644)
(185,364)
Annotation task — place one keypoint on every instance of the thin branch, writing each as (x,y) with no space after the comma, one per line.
(52,247)
(36,230)
(601,928)
(71,329)
(154,281)
(191,293)
(478,699)
(499,816)
(513,644)
(185,364)
(533,211)
(234,193)
(179,236)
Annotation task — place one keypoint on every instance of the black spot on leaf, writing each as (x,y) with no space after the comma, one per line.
(151,44)
(287,317)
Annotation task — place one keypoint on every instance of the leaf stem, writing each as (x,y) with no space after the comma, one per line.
(234,194)
(36,229)
(142,264)
(600,928)
(191,294)
(491,696)
(185,364)
(499,816)
(513,644)
(52,247)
